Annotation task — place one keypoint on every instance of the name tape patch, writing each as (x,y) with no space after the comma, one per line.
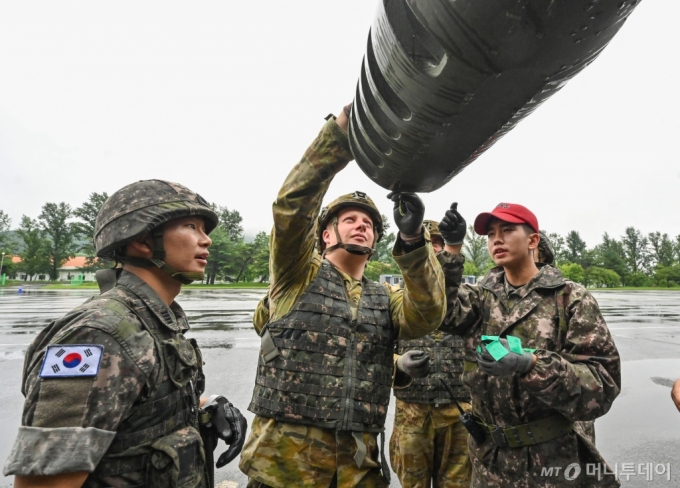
(71,360)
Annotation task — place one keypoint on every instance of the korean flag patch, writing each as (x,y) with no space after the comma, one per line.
(71,360)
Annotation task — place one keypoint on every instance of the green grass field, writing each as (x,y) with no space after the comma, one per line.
(66,286)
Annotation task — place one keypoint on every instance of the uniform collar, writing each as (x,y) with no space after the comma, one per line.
(171,316)
(350,279)
(547,277)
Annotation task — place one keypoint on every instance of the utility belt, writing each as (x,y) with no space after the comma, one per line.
(528,434)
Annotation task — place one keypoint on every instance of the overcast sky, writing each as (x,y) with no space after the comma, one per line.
(224,97)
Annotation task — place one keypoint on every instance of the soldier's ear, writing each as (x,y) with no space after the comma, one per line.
(141,247)
(326,236)
(534,239)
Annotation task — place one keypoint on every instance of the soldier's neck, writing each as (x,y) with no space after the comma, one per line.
(165,286)
(521,273)
(351,264)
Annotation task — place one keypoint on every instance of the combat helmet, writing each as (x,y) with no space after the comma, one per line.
(357,199)
(143,207)
(545,249)
(432,227)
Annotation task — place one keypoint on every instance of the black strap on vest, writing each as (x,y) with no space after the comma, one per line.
(528,434)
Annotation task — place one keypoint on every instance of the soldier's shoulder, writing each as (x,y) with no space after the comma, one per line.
(105,318)
(105,312)
(575,290)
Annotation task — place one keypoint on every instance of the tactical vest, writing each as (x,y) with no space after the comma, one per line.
(447,359)
(318,367)
(160,437)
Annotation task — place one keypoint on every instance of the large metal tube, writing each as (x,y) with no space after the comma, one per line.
(442,80)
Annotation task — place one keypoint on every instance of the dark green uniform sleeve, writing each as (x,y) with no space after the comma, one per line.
(295,211)
(419,307)
(463,301)
(69,423)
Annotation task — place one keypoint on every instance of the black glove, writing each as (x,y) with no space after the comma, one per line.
(229,425)
(416,364)
(509,364)
(453,227)
(409,211)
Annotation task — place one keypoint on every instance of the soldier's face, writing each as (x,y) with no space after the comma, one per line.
(510,244)
(186,244)
(354,226)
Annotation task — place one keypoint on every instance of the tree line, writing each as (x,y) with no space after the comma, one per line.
(633,259)
(61,232)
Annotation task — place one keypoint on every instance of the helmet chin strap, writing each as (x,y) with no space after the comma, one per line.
(350,248)
(157,260)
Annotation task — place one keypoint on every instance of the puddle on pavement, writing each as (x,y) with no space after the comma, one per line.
(642,307)
(215,314)
(662,381)
(212,314)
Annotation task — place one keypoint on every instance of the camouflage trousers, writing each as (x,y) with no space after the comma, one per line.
(282,455)
(429,446)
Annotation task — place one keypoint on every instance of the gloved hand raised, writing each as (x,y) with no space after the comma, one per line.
(509,364)
(416,364)
(228,424)
(453,227)
(409,211)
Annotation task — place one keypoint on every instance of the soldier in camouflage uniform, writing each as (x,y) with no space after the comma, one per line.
(325,368)
(526,402)
(113,388)
(429,445)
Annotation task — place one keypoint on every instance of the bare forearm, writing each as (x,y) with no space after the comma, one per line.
(63,480)
(453,249)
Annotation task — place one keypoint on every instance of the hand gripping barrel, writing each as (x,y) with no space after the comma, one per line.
(442,80)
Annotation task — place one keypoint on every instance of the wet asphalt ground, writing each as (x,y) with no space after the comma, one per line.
(642,427)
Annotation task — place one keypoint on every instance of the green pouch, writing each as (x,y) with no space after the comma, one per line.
(181,358)
(177,460)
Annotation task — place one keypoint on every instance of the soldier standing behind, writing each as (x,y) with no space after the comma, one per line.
(325,367)
(113,388)
(429,445)
(526,401)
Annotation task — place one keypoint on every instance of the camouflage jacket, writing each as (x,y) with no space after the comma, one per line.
(577,375)
(76,423)
(271,455)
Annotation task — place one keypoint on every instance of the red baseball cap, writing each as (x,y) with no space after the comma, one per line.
(507,212)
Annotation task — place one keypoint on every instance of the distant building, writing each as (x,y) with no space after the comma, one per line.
(390,279)
(397,279)
(66,272)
